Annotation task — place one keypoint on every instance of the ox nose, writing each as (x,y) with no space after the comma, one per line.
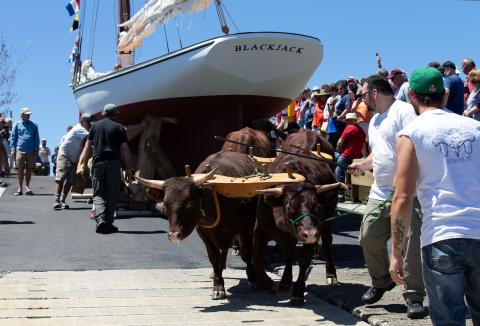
(309,236)
(174,236)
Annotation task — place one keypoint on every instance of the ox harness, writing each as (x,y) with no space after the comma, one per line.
(217,210)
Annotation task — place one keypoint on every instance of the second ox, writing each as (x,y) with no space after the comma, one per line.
(189,203)
(297,212)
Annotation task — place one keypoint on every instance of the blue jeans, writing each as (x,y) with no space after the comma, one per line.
(340,171)
(451,272)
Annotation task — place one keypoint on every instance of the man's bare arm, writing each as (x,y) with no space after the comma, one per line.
(401,212)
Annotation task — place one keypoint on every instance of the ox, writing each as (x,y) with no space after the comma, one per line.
(295,212)
(307,140)
(249,137)
(190,203)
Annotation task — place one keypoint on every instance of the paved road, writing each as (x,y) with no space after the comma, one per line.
(58,271)
(34,237)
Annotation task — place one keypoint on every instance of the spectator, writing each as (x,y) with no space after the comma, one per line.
(5,148)
(320,99)
(332,101)
(25,143)
(349,147)
(391,117)
(467,66)
(472,108)
(54,160)
(364,114)
(450,235)
(109,142)
(396,79)
(342,107)
(453,88)
(9,125)
(44,154)
(382,72)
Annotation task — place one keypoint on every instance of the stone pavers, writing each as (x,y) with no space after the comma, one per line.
(151,297)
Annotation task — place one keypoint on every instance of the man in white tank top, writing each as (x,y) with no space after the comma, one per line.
(437,156)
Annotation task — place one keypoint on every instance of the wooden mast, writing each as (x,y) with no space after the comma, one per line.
(125,59)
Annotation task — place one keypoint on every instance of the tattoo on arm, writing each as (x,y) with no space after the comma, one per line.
(398,233)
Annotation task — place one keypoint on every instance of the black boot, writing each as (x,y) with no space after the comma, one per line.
(415,310)
(374,294)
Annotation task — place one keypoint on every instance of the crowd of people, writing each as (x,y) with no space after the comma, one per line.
(434,217)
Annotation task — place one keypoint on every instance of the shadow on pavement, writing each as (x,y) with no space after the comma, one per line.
(143,232)
(16,222)
(241,298)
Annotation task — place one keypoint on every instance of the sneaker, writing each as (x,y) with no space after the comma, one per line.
(101,226)
(374,294)
(57,205)
(415,310)
(63,205)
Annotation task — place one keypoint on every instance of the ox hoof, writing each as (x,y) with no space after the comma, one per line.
(219,295)
(297,301)
(332,280)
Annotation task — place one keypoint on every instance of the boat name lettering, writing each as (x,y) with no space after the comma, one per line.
(269,47)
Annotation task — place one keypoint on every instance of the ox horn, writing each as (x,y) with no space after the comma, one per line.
(199,180)
(157,184)
(277,191)
(323,188)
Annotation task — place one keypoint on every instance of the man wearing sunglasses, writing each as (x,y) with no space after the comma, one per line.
(391,117)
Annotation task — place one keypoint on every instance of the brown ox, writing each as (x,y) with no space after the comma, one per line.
(307,140)
(189,203)
(295,212)
(250,137)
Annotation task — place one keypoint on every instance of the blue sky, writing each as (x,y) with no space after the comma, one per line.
(407,34)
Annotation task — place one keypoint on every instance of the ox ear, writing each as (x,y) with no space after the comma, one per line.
(157,184)
(199,180)
(323,188)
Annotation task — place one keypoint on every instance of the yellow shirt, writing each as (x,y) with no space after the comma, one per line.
(291,112)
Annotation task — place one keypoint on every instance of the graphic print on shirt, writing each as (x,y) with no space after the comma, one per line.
(455,143)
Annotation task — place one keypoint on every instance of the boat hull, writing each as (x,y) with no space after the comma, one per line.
(211,88)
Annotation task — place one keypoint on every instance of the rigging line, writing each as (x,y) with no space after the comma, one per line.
(166,38)
(178,32)
(230,17)
(90,26)
(94,29)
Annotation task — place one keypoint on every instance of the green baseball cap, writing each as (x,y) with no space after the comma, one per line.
(427,81)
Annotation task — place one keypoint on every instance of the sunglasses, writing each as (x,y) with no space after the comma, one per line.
(363,95)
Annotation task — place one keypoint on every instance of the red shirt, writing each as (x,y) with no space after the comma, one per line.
(353,141)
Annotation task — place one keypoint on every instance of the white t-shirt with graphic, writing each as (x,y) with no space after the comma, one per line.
(382,137)
(447,147)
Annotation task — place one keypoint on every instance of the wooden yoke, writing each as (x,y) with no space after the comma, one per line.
(246,187)
(151,157)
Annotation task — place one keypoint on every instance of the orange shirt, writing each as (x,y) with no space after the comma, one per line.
(318,115)
(363,115)
(291,111)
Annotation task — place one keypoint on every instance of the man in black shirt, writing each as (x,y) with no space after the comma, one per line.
(109,142)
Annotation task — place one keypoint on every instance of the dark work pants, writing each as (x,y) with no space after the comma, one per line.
(106,189)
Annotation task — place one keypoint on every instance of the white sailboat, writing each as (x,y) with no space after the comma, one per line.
(211,88)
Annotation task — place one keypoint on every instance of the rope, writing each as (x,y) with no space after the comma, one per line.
(230,17)
(217,209)
(380,206)
(178,32)
(94,29)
